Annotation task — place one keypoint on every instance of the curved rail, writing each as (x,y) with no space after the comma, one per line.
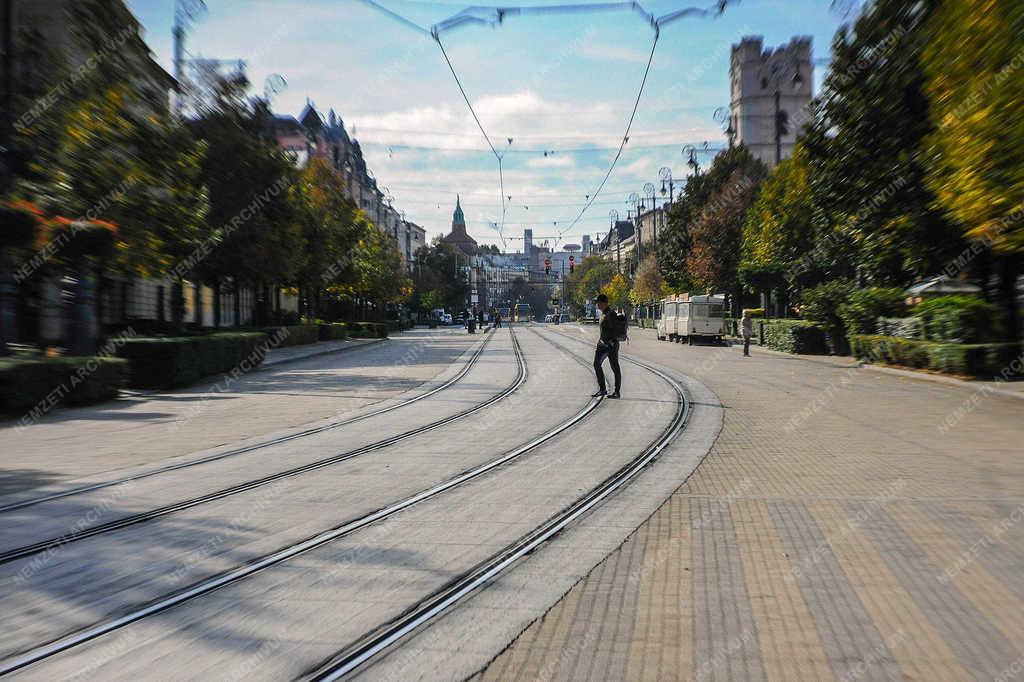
(116,524)
(258,564)
(250,448)
(374,643)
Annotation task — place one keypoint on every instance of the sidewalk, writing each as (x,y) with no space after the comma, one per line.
(279,356)
(847,524)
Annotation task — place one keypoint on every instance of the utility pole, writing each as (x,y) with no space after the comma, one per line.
(778,127)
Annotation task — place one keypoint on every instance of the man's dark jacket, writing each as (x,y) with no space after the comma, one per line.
(608,336)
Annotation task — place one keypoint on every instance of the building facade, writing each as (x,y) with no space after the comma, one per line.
(768,86)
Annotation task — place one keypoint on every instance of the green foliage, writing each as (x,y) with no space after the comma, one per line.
(26,383)
(381,276)
(980,359)
(179,361)
(676,242)
(777,228)
(864,306)
(958,319)
(867,153)
(821,304)
(441,270)
(795,336)
(973,64)
(333,331)
(293,335)
(589,278)
(367,330)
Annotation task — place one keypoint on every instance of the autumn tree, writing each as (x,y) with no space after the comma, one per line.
(973,62)
(648,284)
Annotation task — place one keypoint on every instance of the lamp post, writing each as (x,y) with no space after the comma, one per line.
(634,199)
(723,116)
(779,71)
(690,154)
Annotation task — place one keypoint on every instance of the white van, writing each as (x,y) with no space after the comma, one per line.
(706,318)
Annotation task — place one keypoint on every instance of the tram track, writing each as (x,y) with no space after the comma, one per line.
(53,544)
(253,566)
(365,649)
(463,371)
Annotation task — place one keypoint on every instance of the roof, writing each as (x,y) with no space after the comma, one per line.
(458,217)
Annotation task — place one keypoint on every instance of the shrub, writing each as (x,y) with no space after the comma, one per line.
(795,336)
(182,360)
(980,359)
(294,335)
(958,319)
(333,331)
(821,304)
(27,382)
(904,327)
(367,330)
(864,306)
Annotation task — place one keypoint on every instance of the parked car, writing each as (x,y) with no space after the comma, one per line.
(549,318)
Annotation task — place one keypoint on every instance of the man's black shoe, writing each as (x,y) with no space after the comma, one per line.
(615,396)
(598,394)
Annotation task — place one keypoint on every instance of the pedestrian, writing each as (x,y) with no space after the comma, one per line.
(497,320)
(480,318)
(748,331)
(607,346)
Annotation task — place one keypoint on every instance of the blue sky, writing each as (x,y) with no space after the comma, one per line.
(564,84)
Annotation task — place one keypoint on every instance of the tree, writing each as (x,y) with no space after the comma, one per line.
(777,229)
(872,207)
(587,280)
(676,242)
(714,260)
(648,284)
(380,274)
(331,229)
(617,291)
(440,268)
(973,63)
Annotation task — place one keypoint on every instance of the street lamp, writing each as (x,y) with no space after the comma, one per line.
(690,153)
(779,71)
(634,199)
(666,177)
(613,216)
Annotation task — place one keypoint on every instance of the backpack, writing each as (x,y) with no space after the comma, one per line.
(620,327)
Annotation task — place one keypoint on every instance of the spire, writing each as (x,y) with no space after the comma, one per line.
(458,218)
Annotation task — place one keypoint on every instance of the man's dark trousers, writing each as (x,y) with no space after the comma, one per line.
(611,351)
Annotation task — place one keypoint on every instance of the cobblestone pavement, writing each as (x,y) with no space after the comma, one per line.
(69,444)
(847,524)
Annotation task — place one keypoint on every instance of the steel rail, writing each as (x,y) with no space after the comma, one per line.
(253,566)
(372,644)
(255,446)
(53,544)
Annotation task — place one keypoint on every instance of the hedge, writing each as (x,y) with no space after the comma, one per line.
(294,335)
(795,336)
(182,360)
(367,330)
(27,382)
(332,332)
(973,359)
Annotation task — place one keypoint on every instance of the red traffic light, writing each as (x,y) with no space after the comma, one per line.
(571,258)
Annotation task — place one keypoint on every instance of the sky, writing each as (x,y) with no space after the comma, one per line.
(561,86)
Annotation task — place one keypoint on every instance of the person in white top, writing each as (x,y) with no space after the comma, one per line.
(748,331)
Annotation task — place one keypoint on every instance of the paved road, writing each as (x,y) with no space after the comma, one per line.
(522,419)
(847,524)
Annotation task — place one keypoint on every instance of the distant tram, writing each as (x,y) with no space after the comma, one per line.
(522,313)
(690,317)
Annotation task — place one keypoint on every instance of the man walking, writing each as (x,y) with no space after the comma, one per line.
(607,346)
(748,331)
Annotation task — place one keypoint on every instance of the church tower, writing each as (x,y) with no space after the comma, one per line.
(458,237)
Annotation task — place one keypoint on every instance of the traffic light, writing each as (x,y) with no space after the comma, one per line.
(547,266)
(572,264)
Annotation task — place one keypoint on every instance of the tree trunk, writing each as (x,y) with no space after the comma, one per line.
(199,304)
(216,303)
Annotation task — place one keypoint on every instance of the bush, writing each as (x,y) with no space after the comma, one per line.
(332,331)
(958,319)
(904,327)
(182,360)
(294,335)
(26,382)
(980,359)
(367,330)
(795,336)
(864,306)
(821,304)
